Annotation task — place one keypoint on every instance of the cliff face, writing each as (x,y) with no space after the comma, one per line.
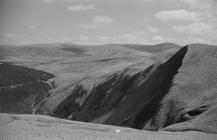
(169,89)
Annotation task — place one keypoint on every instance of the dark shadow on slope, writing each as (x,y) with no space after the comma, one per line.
(21,88)
(74,49)
(133,99)
(189,114)
(70,104)
(143,102)
(101,99)
(170,68)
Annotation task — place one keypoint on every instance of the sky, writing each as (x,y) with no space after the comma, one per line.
(108,21)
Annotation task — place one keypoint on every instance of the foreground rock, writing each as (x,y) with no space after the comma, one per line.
(38,127)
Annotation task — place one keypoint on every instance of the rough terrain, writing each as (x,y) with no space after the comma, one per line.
(38,127)
(162,87)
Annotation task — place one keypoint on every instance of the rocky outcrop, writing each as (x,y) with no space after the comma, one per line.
(22,88)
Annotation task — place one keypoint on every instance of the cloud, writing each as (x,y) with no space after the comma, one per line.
(205,6)
(158,39)
(32,26)
(8,35)
(65,39)
(135,37)
(49,1)
(148,0)
(82,39)
(153,29)
(181,15)
(99,22)
(14,38)
(199,28)
(124,38)
(198,4)
(81,7)
(196,40)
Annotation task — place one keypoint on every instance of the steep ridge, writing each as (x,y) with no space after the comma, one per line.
(101,99)
(143,101)
(21,88)
(191,102)
(155,98)
(125,98)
